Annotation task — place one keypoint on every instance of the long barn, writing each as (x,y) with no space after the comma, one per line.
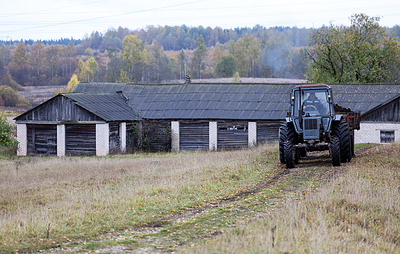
(221,116)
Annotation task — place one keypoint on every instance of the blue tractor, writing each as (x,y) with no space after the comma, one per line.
(315,123)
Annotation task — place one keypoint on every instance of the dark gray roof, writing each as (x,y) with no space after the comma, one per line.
(233,101)
(364,97)
(201,101)
(108,106)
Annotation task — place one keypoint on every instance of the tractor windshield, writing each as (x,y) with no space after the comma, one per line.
(313,103)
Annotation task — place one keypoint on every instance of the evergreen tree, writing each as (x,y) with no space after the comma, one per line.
(226,66)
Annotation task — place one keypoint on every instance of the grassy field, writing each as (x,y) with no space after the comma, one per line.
(200,202)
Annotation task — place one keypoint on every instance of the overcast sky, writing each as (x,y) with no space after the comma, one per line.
(55,19)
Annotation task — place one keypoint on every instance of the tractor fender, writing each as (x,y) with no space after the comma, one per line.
(337,118)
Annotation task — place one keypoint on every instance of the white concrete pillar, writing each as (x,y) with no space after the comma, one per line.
(122,137)
(22,139)
(175,136)
(61,140)
(213,136)
(252,134)
(102,139)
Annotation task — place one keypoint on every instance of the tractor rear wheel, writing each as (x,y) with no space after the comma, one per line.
(341,130)
(335,151)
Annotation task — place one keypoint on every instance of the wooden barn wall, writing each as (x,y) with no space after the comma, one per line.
(42,139)
(114,140)
(267,132)
(156,135)
(132,136)
(60,109)
(193,135)
(232,134)
(387,113)
(80,139)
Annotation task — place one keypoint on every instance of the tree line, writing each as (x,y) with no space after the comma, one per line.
(165,53)
(158,54)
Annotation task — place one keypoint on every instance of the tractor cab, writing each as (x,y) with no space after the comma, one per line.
(312,110)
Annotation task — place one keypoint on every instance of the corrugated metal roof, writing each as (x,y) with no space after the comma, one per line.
(233,101)
(108,106)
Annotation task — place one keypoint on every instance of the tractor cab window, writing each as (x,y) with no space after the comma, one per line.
(313,103)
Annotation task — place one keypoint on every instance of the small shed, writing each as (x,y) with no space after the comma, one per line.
(76,124)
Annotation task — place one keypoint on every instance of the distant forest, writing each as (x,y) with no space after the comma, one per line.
(158,54)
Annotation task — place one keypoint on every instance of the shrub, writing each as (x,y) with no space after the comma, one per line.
(22,102)
(10,97)
(6,130)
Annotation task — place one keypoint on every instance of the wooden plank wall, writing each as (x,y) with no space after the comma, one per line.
(193,135)
(80,139)
(42,139)
(132,137)
(232,134)
(60,109)
(387,113)
(114,138)
(267,132)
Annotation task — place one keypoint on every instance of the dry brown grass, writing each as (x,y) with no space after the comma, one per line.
(357,212)
(44,201)
(229,199)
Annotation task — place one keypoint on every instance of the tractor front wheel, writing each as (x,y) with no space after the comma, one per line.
(282,139)
(335,151)
(290,154)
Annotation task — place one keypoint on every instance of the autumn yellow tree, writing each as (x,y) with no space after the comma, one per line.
(72,83)
(247,53)
(86,71)
(134,56)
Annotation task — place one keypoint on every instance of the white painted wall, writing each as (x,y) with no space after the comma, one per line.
(60,140)
(22,139)
(213,136)
(252,135)
(371,132)
(122,137)
(102,139)
(175,136)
